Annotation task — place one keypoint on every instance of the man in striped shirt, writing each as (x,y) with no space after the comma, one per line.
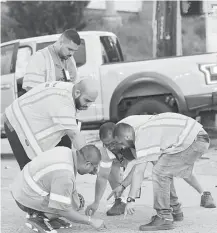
(47,187)
(54,63)
(38,120)
(110,167)
(114,159)
(173,142)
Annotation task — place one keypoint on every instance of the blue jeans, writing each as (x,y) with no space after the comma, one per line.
(174,165)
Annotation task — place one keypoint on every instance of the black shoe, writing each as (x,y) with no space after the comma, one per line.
(117,209)
(158,223)
(177,213)
(40,224)
(58,223)
(207,200)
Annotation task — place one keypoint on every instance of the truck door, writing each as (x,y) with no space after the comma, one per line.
(8,80)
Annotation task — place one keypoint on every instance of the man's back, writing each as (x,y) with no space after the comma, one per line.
(41,115)
(166,133)
(45,175)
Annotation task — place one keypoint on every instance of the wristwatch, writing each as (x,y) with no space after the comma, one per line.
(130,199)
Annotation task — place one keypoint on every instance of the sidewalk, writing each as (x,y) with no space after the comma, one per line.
(197,219)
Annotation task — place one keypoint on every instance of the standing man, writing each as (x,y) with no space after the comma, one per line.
(175,142)
(38,120)
(54,63)
(47,187)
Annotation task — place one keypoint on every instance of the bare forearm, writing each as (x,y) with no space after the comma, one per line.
(75,216)
(100,187)
(137,179)
(127,181)
(77,138)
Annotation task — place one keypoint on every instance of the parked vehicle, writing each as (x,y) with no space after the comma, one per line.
(185,84)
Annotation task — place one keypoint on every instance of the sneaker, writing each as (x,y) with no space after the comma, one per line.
(58,223)
(207,200)
(158,223)
(117,209)
(40,225)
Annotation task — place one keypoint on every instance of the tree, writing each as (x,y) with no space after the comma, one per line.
(36,18)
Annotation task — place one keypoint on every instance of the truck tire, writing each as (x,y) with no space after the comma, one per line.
(149,107)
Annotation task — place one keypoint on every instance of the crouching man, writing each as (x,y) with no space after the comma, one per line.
(47,187)
(173,142)
(113,159)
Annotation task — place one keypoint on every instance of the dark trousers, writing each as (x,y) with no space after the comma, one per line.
(27,209)
(16,147)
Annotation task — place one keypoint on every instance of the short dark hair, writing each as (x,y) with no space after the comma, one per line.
(90,152)
(73,35)
(121,128)
(106,129)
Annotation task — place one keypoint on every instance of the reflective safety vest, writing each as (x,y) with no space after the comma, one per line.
(50,69)
(33,179)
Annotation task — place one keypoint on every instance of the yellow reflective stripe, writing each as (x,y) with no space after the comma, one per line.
(47,132)
(25,127)
(49,64)
(54,167)
(66,120)
(105,164)
(32,183)
(189,126)
(145,152)
(59,198)
(165,122)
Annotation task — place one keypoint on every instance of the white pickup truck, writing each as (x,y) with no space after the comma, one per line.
(186,84)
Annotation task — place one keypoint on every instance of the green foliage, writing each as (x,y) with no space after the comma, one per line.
(35,18)
(135,37)
(193,35)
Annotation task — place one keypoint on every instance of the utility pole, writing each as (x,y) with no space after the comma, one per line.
(111,18)
(167,32)
(210,9)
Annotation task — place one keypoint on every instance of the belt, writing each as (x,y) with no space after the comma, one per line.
(7,122)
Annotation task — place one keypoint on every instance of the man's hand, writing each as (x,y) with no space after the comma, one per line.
(91,209)
(98,224)
(116,192)
(129,209)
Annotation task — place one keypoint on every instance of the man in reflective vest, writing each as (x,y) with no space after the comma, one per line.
(54,63)
(113,159)
(47,187)
(36,121)
(173,142)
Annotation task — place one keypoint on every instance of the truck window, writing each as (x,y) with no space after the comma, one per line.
(23,55)
(6,58)
(79,56)
(111,50)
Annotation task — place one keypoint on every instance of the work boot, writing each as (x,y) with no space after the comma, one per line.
(117,209)
(58,223)
(207,200)
(158,223)
(177,213)
(39,224)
